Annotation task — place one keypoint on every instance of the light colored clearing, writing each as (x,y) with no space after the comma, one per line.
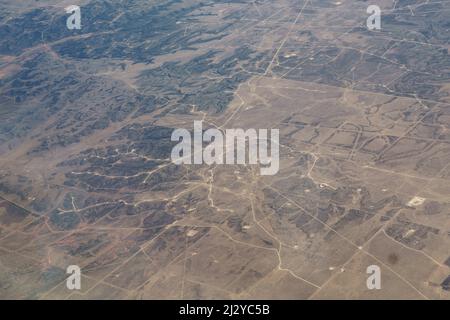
(416,201)
(192,233)
(409,233)
(128,75)
(9,70)
(6,59)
